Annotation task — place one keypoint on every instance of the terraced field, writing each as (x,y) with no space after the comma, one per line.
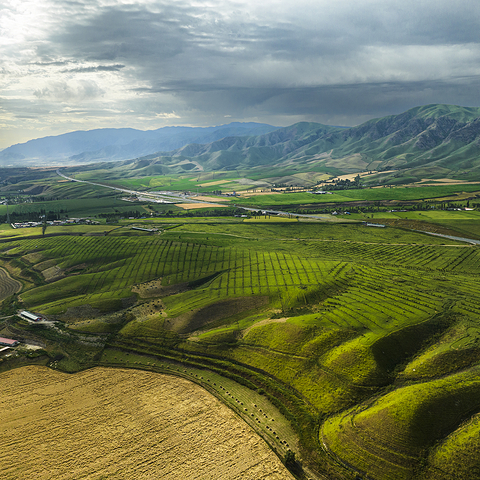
(105,423)
(412,418)
(8,285)
(366,341)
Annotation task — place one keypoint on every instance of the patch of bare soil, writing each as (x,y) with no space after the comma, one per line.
(218,311)
(34,257)
(191,206)
(154,288)
(42,265)
(53,273)
(118,424)
(81,312)
(210,199)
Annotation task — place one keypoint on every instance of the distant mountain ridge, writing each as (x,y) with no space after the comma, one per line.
(109,144)
(428,141)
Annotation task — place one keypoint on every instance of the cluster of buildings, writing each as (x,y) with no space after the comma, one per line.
(6,344)
(70,221)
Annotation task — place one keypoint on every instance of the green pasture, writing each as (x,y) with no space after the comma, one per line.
(259,264)
(441,217)
(409,193)
(301,232)
(291,198)
(456,456)
(365,194)
(84,207)
(184,183)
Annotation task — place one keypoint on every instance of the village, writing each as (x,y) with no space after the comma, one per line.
(56,223)
(9,345)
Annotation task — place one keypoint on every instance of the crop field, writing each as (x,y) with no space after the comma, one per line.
(443,192)
(96,269)
(105,423)
(364,339)
(252,406)
(201,182)
(8,285)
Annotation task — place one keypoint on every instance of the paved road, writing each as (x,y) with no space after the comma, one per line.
(451,237)
(171,197)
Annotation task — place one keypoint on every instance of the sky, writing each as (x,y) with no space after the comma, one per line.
(70,65)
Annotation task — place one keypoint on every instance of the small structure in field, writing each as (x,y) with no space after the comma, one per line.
(30,316)
(8,342)
(151,230)
(368,224)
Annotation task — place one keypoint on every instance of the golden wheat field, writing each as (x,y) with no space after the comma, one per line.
(118,424)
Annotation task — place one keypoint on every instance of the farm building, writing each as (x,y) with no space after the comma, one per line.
(8,342)
(30,316)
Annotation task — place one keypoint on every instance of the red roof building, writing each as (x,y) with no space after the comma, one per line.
(8,342)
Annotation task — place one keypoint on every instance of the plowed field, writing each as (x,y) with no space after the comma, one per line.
(113,423)
(8,286)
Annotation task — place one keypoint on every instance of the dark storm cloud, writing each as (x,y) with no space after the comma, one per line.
(337,104)
(135,34)
(192,52)
(274,61)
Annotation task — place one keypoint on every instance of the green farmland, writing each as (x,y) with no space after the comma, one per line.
(364,342)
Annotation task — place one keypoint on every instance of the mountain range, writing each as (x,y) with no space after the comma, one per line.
(431,141)
(109,144)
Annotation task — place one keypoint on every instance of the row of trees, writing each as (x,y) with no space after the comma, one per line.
(35,216)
